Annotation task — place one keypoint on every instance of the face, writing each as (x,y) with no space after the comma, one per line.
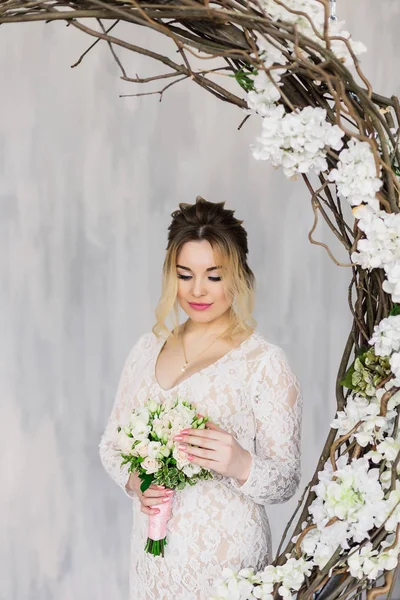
(198,285)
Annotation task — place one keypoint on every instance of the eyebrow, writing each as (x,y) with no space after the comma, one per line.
(209,268)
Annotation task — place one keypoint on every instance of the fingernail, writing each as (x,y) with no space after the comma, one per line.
(179,438)
(190,457)
(165,499)
(182,447)
(169,492)
(156,511)
(161,487)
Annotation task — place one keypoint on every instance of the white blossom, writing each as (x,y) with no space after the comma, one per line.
(362,562)
(151,465)
(297,141)
(355,175)
(389,448)
(153,449)
(386,336)
(381,246)
(395,366)
(392,284)
(125,442)
(315,11)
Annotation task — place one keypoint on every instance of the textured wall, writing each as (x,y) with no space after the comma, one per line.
(87,184)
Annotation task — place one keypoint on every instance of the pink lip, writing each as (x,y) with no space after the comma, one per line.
(199,306)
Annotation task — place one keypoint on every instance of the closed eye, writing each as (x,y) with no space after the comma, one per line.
(186,277)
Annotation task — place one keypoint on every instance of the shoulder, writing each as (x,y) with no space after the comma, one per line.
(146,341)
(263,351)
(140,347)
(269,360)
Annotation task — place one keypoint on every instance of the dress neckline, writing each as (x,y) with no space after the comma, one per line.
(213,364)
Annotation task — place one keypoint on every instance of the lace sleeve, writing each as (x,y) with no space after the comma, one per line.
(277,406)
(108,447)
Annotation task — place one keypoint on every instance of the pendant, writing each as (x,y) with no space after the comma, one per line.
(184,367)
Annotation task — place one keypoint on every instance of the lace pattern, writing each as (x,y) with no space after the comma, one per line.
(251,392)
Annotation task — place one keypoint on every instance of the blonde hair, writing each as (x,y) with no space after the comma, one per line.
(212,222)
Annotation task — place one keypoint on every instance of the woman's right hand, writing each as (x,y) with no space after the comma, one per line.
(152,496)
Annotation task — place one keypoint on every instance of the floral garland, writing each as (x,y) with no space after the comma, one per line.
(352,524)
(352,496)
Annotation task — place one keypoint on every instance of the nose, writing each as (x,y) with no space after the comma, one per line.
(198,289)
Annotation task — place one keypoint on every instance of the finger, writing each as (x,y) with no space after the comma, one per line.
(206,434)
(152,501)
(213,426)
(206,463)
(154,493)
(201,453)
(202,442)
(149,511)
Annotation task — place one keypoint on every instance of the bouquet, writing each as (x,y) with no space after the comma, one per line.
(147,444)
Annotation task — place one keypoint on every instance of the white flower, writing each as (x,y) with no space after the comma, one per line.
(392,284)
(386,336)
(153,404)
(391,507)
(355,175)
(315,11)
(355,496)
(191,469)
(141,448)
(165,451)
(388,559)
(297,140)
(381,246)
(264,591)
(125,442)
(291,573)
(389,448)
(395,364)
(153,449)
(141,414)
(181,458)
(140,431)
(363,562)
(323,553)
(151,465)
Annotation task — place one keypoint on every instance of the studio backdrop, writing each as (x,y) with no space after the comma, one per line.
(88,181)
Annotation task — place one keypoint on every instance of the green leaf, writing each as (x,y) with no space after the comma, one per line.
(243,78)
(347,380)
(147,480)
(395,310)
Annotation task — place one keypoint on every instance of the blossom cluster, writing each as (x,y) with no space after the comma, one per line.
(386,342)
(289,12)
(147,441)
(381,246)
(355,175)
(356,497)
(297,140)
(245,584)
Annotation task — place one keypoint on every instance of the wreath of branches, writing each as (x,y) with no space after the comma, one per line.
(228,31)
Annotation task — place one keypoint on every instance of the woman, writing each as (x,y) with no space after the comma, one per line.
(235,376)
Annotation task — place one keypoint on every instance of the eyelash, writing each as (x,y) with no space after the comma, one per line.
(186,277)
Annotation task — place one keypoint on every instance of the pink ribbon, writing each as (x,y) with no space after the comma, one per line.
(158,522)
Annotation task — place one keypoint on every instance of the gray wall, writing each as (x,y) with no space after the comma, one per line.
(87,184)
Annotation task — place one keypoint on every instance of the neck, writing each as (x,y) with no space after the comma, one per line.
(215,327)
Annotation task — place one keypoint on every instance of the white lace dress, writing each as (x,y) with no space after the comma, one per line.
(252,393)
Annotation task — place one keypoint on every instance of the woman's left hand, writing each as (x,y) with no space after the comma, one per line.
(216,449)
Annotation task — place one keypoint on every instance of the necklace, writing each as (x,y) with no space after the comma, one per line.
(183,369)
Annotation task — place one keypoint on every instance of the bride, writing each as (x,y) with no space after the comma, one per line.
(243,382)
